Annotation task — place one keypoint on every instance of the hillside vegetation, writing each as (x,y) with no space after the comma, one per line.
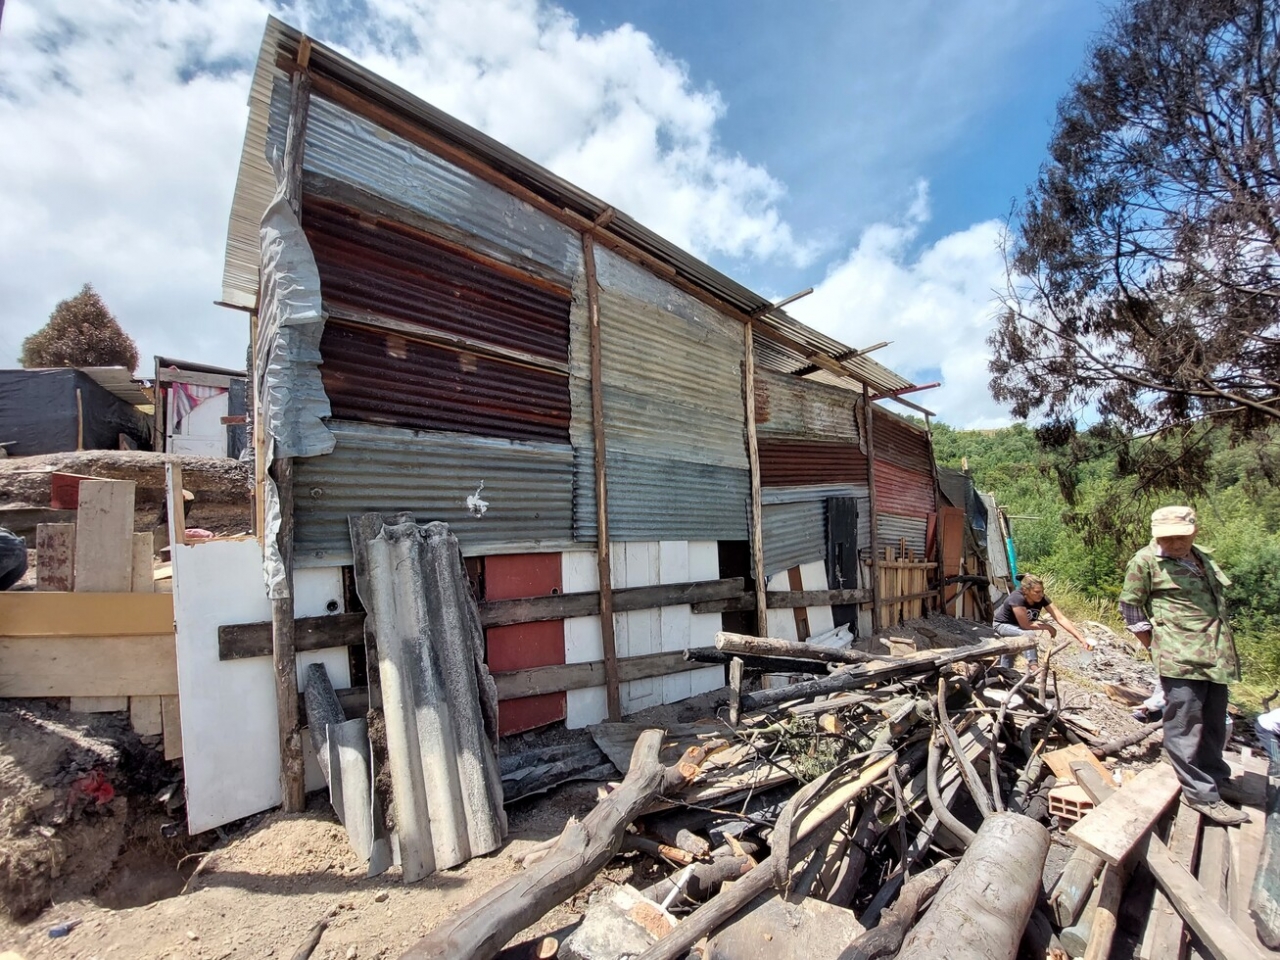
(1080,512)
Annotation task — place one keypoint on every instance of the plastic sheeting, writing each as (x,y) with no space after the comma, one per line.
(39,413)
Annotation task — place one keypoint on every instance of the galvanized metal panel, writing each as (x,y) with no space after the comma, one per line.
(397,272)
(785,463)
(350,148)
(903,492)
(380,376)
(892,530)
(794,533)
(653,498)
(900,442)
(527,487)
(793,408)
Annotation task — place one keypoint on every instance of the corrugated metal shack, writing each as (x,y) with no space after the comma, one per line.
(442,326)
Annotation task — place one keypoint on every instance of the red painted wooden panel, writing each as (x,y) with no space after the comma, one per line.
(522,645)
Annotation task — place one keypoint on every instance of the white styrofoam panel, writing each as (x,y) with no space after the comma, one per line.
(782,623)
(639,632)
(231,755)
(585,707)
(704,564)
(813,576)
(673,560)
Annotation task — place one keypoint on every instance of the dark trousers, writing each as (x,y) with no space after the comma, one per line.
(1195,734)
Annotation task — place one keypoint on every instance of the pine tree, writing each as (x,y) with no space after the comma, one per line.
(81,332)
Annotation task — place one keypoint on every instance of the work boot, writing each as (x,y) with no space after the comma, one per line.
(1219,812)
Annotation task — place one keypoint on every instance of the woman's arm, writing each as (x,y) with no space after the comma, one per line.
(1026,623)
(1065,622)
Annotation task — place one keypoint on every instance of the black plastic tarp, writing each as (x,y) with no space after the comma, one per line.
(39,414)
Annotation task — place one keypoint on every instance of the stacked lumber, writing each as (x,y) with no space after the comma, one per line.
(95,631)
(903,582)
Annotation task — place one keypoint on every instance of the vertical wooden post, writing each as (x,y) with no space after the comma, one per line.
(79,420)
(871,491)
(753,457)
(612,689)
(283,652)
(937,512)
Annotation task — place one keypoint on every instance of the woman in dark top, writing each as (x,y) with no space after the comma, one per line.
(1019,616)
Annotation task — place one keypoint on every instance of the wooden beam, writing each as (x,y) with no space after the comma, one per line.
(171,720)
(784,600)
(144,715)
(88,666)
(534,681)
(37,614)
(144,552)
(753,459)
(1118,824)
(612,691)
(195,378)
(55,556)
(1211,923)
(176,502)
(1165,937)
(241,640)
(868,430)
(739,645)
(104,536)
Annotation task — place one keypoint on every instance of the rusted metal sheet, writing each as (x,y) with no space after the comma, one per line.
(400,273)
(527,493)
(380,376)
(900,443)
(793,408)
(794,533)
(786,463)
(892,530)
(653,498)
(520,646)
(904,492)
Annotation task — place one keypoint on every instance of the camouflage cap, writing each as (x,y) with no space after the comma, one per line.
(1173,522)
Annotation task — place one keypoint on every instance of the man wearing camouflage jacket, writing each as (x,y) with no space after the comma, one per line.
(1173,602)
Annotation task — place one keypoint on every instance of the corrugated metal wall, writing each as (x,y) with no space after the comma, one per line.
(380,376)
(798,409)
(674,418)
(786,463)
(348,148)
(794,533)
(528,488)
(891,530)
(904,492)
(900,443)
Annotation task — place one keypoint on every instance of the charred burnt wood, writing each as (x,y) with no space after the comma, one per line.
(1129,740)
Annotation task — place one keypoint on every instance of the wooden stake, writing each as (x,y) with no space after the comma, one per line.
(877,618)
(753,458)
(79,420)
(612,688)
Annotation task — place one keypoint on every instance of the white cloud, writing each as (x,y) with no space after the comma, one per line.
(123,122)
(935,304)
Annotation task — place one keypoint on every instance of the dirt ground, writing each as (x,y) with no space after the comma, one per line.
(268,880)
(220,485)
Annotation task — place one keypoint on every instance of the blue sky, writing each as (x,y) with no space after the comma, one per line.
(870,149)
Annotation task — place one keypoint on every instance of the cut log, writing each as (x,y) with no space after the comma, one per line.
(1074,887)
(481,929)
(1103,931)
(1264,900)
(982,909)
(887,936)
(736,643)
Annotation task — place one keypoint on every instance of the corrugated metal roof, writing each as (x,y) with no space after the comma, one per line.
(528,488)
(794,533)
(255,187)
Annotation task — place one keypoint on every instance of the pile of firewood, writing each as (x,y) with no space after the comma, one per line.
(892,805)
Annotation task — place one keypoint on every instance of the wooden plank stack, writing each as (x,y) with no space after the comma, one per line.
(95,631)
(903,582)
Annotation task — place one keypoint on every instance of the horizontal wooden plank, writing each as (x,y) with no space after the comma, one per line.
(576,676)
(55,614)
(88,666)
(784,600)
(1122,820)
(238,641)
(195,378)
(241,640)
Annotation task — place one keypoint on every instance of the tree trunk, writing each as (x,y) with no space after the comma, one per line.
(736,643)
(886,937)
(982,909)
(480,929)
